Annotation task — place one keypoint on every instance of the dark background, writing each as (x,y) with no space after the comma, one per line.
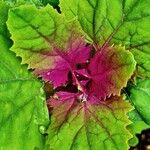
(144,141)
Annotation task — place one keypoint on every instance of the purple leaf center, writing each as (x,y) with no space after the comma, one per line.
(92,75)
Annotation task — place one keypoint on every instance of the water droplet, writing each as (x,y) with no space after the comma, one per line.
(87,61)
(48,73)
(42,129)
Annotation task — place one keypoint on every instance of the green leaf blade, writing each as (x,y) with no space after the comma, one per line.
(69,8)
(118,22)
(19,129)
(36,31)
(140,98)
(22,103)
(85,126)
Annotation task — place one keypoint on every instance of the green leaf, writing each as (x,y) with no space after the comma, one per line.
(3,17)
(22,101)
(137,125)
(136,128)
(38,3)
(140,97)
(98,18)
(89,127)
(119,22)
(36,32)
(69,8)
(14,3)
(134,116)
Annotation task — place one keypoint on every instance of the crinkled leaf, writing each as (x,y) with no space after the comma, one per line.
(140,97)
(110,70)
(119,22)
(36,32)
(84,126)
(22,103)
(65,62)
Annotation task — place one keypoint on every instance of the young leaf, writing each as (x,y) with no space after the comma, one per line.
(118,22)
(35,32)
(22,103)
(85,126)
(110,70)
(105,74)
(140,97)
(65,62)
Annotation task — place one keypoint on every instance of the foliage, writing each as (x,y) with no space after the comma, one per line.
(95,56)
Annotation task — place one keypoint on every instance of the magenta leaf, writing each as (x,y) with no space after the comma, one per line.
(99,75)
(110,69)
(65,62)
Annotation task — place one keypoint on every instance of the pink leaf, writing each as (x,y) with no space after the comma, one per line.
(65,62)
(110,69)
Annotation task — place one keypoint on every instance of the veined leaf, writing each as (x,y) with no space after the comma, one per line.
(105,74)
(110,70)
(65,62)
(119,22)
(84,126)
(140,97)
(69,8)
(36,32)
(22,101)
